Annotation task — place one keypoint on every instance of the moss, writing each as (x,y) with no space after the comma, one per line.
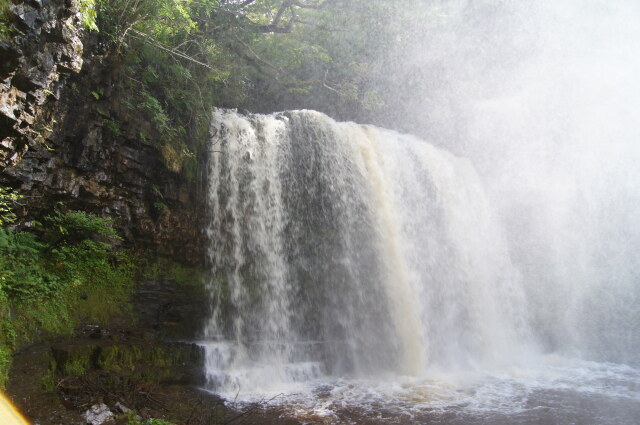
(125,357)
(121,365)
(72,361)
(168,269)
(76,367)
(93,299)
(133,419)
(5,363)
(96,300)
(88,284)
(5,30)
(49,379)
(117,365)
(35,319)
(119,359)
(98,303)
(101,293)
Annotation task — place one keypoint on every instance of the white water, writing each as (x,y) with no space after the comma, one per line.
(355,267)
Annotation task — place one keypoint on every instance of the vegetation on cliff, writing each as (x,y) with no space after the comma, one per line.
(172,61)
(61,273)
(4,29)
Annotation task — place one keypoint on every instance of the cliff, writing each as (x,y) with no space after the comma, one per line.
(68,142)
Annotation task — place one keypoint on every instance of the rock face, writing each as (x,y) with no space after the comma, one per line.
(34,68)
(83,168)
(172,310)
(67,142)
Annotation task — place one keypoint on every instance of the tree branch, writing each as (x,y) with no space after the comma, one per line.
(324,83)
(283,7)
(254,55)
(148,39)
(274,29)
(317,6)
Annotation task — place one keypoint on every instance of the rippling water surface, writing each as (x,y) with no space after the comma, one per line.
(556,391)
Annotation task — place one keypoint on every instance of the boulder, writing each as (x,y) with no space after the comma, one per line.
(98,414)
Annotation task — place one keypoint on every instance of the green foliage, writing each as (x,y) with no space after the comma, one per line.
(5,30)
(88,14)
(8,198)
(5,363)
(161,99)
(113,127)
(161,208)
(97,94)
(120,359)
(77,228)
(177,59)
(22,273)
(48,380)
(51,281)
(75,367)
(75,249)
(7,337)
(155,421)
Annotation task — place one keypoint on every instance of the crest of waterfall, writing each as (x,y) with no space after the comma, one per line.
(347,250)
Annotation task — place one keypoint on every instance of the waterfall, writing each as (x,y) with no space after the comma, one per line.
(338,249)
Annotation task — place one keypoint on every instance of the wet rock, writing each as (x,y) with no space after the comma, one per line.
(46,50)
(174,310)
(98,414)
(10,55)
(125,372)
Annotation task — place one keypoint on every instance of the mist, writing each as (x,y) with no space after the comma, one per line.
(542,97)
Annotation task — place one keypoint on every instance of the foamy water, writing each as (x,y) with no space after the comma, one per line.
(554,390)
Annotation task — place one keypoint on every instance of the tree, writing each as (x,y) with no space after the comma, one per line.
(177,59)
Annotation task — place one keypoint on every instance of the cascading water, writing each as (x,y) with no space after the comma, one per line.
(341,253)
(350,249)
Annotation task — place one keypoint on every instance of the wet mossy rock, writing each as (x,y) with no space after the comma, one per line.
(56,383)
(136,358)
(143,363)
(172,310)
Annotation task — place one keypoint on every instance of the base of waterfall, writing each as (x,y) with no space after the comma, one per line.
(551,389)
